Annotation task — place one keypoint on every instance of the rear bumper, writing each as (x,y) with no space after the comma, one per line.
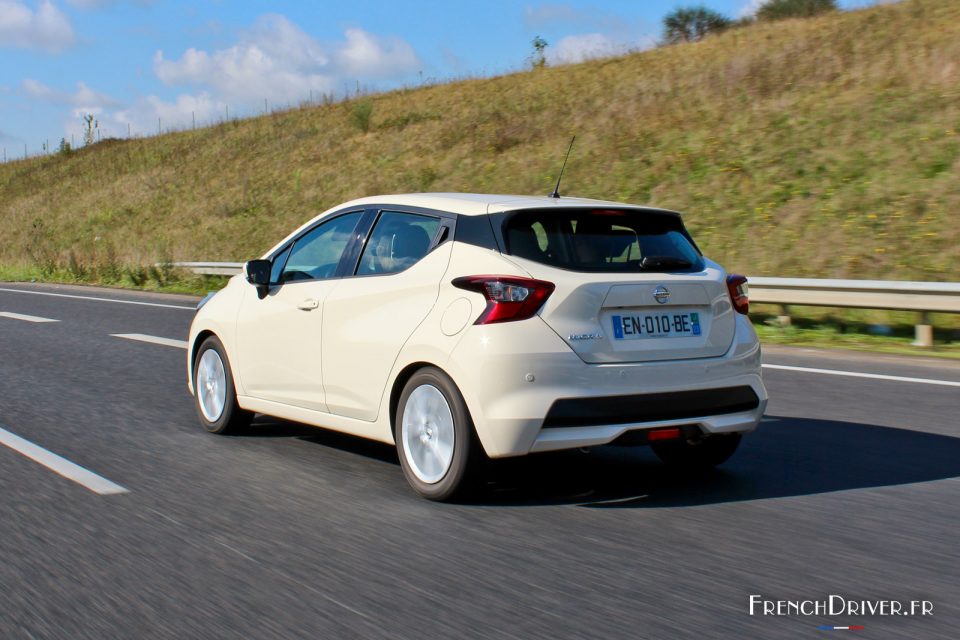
(528,392)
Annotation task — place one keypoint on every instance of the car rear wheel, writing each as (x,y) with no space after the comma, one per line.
(434,435)
(214,394)
(701,453)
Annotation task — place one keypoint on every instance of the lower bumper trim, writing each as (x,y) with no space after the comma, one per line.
(650,407)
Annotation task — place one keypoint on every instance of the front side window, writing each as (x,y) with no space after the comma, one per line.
(611,240)
(317,253)
(398,242)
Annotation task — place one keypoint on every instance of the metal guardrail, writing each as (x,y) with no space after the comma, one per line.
(212,268)
(897,295)
(922,297)
(942,297)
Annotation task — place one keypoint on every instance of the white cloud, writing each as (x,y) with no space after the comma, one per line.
(366,55)
(586,46)
(147,115)
(750,9)
(273,59)
(83,97)
(547,14)
(46,28)
(101,4)
(277,60)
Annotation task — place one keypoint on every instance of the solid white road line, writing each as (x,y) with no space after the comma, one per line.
(64,467)
(67,295)
(20,316)
(855,374)
(139,337)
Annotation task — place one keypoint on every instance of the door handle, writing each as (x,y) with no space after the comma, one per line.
(308,305)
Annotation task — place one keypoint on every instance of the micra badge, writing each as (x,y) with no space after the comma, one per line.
(585,336)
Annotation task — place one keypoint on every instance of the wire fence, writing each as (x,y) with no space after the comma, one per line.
(14,152)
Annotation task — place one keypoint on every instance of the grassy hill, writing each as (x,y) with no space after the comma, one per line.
(821,147)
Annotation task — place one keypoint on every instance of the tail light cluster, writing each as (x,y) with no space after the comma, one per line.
(508,298)
(739,293)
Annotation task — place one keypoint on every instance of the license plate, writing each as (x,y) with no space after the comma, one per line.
(676,324)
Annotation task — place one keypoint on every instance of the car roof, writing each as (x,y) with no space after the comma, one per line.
(473,204)
(469,204)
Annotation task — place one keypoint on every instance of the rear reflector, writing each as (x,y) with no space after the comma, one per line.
(508,297)
(663,434)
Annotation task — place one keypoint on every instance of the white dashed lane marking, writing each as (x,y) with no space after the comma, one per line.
(95,299)
(21,316)
(855,374)
(62,466)
(140,337)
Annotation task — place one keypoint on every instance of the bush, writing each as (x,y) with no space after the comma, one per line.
(782,9)
(361,114)
(691,24)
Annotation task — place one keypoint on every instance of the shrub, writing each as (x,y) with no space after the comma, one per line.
(361,114)
(782,9)
(690,24)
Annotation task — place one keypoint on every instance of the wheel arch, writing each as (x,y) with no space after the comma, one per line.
(194,349)
(399,383)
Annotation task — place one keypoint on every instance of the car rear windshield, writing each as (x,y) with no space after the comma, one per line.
(612,240)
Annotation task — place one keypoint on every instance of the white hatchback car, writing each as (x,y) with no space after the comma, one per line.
(464,325)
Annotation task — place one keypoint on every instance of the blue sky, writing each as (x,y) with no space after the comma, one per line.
(132,62)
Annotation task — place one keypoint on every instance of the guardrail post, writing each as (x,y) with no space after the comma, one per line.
(784,318)
(923,331)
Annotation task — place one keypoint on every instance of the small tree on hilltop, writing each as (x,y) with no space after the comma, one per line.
(690,24)
(781,9)
(539,58)
(90,133)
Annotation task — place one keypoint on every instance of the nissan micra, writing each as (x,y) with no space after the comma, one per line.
(458,326)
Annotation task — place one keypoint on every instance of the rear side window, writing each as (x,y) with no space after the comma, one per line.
(398,242)
(611,240)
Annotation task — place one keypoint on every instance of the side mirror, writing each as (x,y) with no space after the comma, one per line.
(258,274)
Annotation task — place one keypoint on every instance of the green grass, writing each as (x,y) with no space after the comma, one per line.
(836,336)
(821,147)
(161,278)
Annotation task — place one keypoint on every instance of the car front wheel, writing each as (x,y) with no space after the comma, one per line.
(434,435)
(214,393)
(701,453)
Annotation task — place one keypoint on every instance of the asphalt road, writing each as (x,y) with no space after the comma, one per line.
(850,487)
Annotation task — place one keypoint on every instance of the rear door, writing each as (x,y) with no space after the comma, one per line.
(367,318)
(630,284)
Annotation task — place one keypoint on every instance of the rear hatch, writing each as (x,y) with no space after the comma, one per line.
(631,285)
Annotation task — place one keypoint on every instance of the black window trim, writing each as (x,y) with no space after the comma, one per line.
(293,241)
(445,232)
(350,260)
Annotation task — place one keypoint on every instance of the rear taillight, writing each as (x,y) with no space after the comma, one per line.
(739,294)
(508,298)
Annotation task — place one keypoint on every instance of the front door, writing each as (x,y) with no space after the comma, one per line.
(279,335)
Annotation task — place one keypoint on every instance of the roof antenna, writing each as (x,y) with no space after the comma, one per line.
(556,189)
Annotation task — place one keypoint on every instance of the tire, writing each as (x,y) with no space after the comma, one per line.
(702,453)
(215,396)
(432,410)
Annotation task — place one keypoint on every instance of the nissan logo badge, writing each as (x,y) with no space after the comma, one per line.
(662,294)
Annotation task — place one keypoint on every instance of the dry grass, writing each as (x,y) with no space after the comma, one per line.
(821,147)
